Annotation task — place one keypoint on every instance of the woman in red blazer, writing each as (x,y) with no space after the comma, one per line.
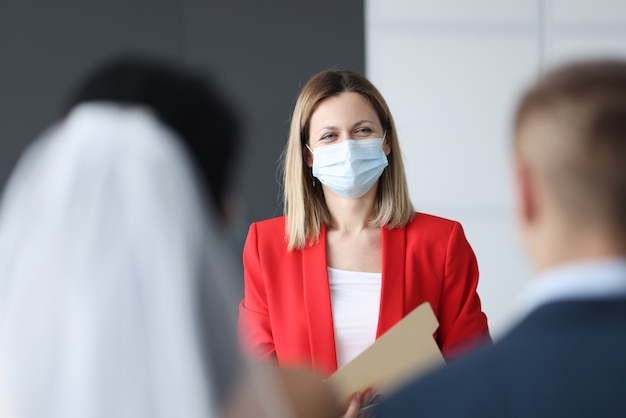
(351,257)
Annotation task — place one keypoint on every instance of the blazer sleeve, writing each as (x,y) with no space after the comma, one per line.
(254,321)
(462,323)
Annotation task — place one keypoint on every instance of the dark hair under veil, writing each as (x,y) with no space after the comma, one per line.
(184,99)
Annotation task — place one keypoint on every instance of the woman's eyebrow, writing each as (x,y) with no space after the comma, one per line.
(362,121)
(334,128)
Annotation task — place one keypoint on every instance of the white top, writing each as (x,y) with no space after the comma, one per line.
(355,301)
(582,280)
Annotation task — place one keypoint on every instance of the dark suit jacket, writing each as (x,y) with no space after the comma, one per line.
(286,312)
(566,359)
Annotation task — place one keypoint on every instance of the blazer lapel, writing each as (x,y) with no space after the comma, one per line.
(393,243)
(318,307)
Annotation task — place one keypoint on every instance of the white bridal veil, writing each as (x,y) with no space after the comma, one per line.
(106,253)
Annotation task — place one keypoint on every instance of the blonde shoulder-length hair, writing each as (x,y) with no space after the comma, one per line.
(303,199)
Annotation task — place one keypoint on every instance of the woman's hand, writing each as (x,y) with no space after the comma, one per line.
(353,407)
(360,401)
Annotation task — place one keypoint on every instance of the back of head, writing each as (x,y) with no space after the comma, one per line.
(184,100)
(571,131)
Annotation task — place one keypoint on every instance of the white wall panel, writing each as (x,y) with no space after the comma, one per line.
(454,137)
(504,270)
(587,11)
(496,11)
(564,48)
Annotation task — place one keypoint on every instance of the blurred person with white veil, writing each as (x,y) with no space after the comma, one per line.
(111,274)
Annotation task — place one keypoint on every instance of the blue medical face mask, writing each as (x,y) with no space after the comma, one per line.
(351,167)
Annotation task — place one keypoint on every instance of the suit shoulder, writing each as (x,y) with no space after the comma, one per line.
(469,386)
(269,231)
(426,223)
(271,224)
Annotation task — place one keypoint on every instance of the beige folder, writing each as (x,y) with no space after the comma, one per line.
(405,351)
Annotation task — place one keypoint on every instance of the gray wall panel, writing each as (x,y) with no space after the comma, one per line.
(263,52)
(260,52)
(45,47)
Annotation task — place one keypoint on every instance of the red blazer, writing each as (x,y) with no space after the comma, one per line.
(286,312)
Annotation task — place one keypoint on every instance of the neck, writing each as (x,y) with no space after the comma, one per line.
(350,215)
(578,246)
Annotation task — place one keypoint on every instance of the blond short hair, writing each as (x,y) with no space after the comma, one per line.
(586,103)
(304,203)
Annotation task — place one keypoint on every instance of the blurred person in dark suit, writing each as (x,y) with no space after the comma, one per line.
(565,357)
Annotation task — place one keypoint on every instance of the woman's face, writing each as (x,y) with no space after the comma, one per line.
(346,116)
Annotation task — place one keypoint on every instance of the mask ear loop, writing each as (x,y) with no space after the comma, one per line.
(384,138)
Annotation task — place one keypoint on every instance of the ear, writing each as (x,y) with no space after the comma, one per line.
(386,145)
(308,156)
(526,193)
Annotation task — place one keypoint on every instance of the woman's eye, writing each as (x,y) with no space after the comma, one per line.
(364,131)
(327,136)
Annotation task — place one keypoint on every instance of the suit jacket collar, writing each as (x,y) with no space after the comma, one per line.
(393,243)
(318,307)
(317,294)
